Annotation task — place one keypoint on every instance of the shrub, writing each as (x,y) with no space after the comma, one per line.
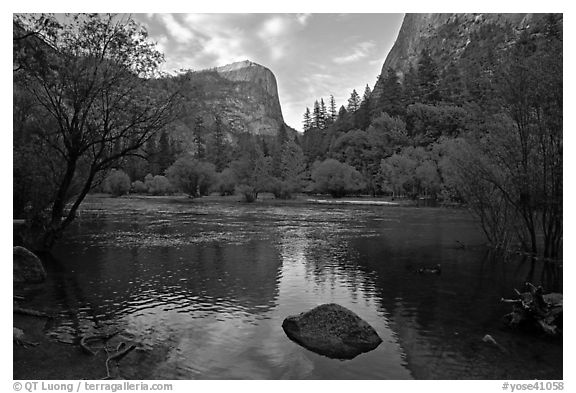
(191,176)
(226,182)
(283,189)
(335,178)
(248,192)
(159,185)
(117,183)
(139,187)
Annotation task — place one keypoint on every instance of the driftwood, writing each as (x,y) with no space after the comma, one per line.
(121,351)
(535,309)
(98,337)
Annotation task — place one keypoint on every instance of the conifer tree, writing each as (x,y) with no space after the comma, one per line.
(199,135)
(218,156)
(367,94)
(391,97)
(332,109)
(428,78)
(307,120)
(165,158)
(323,114)
(316,122)
(353,101)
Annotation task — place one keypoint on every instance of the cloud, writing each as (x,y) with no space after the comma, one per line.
(363,49)
(274,27)
(303,18)
(176,30)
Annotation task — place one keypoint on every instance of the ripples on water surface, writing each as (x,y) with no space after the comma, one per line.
(204,288)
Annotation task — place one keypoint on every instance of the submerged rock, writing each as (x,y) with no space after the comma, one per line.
(333,331)
(27,266)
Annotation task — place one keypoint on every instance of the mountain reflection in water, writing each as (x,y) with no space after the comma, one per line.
(204,288)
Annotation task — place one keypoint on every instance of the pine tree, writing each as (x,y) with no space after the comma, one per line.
(316,122)
(165,158)
(362,119)
(353,101)
(428,78)
(218,156)
(151,150)
(367,95)
(199,138)
(391,98)
(332,109)
(307,120)
(342,112)
(451,85)
(411,86)
(323,114)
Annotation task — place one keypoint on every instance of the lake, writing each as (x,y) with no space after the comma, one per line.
(204,287)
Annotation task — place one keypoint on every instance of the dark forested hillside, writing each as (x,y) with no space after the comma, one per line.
(471,114)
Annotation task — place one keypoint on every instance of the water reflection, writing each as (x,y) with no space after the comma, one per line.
(205,289)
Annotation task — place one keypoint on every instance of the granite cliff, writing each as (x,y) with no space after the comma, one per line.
(244,96)
(450,37)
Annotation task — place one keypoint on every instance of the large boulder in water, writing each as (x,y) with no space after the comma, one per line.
(333,331)
(27,267)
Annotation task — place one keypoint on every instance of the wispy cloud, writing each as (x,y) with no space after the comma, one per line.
(176,30)
(362,50)
(301,49)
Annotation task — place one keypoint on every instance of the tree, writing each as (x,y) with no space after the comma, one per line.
(362,116)
(428,78)
(307,120)
(510,169)
(217,152)
(117,183)
(332,113)
(192,176)
(252,172)
(391,99)
(200,137)
(353,101)
(292,167)
(158,185)
(336,178)
(226,182)
(317,119)
(323,114)
(90,75)
(165,154)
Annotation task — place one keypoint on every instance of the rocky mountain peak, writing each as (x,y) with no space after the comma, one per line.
(248,71)
(446,37)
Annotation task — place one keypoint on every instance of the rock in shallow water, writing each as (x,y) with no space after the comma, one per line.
(333,331)
(27,266)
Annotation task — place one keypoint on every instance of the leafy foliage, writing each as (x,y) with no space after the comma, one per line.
(333,177)
(117,183)
(90,76)
(191,176)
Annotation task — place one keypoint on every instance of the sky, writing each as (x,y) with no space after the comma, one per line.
(311,55)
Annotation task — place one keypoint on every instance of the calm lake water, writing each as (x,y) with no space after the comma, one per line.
(204,289)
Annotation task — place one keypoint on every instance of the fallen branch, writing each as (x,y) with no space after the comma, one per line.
(100,337)
(534,308)
(117,357)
